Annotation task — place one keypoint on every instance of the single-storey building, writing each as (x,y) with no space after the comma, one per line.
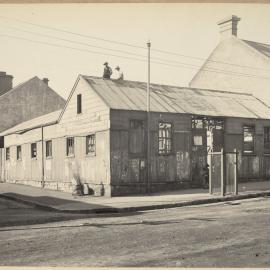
(100,138)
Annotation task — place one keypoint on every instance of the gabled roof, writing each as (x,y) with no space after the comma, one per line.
(260,47)
(28,100)
(131,95)
(44,120)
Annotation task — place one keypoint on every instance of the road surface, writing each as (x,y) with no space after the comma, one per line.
(232,234)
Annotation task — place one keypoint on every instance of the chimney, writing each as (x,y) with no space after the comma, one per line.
(46,80)
(5,82)
(228,26)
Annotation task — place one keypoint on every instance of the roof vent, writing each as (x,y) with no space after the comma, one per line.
(228,26)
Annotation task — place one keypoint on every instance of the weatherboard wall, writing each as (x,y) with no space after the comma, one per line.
(250,166)
(60,170)
(128,170)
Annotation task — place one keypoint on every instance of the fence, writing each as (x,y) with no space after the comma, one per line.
(223,177)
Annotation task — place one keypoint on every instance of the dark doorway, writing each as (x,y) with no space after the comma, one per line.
(207,136)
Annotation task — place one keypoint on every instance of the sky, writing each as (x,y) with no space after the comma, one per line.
(90,34)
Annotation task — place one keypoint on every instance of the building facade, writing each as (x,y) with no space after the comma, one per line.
(25,101)
(236,64)
(100,138)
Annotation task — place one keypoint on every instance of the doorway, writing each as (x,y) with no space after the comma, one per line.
(207,136)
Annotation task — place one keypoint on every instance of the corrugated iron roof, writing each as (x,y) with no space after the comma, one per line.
(261,47)
(43,120)
(131,95)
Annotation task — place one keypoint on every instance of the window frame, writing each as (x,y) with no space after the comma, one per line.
(46,149)
(266,150)
(79,103)
(67,147)
(170,151)
(33,150)
(246,152)
(87,139)
(19,157)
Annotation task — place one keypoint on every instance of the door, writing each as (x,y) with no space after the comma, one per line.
(137,151)
(199,155)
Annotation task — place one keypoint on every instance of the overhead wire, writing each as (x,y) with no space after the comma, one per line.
(131,45)
(74,33)
(116,50)
(71,41)
(177,65)
(206,59)
(125,52)
(68,47)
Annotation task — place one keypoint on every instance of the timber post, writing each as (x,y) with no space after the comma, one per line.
(235,172)
(222,169)
(210,173)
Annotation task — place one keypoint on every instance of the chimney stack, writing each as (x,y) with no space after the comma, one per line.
(46,80)
(5,82)
(228,26)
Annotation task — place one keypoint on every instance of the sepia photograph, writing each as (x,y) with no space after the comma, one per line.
(135,135)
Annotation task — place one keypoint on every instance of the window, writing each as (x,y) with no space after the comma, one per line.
(7,153)
(90,144)
(136,137)
(19,152)
(266,136)
(249,132)
(33,150)
(198,123)
(70,146)
(164,138)
(2,141)
(48,148)
(79,104)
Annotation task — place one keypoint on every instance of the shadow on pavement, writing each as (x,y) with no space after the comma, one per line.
(54,204)
(14,210)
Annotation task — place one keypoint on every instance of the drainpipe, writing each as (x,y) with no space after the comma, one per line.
(42,157)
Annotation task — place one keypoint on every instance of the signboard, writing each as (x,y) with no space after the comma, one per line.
(197,140)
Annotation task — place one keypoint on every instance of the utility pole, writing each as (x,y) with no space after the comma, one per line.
(148,124)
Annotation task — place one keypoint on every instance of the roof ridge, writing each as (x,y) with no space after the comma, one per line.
(255,42)
(175,86)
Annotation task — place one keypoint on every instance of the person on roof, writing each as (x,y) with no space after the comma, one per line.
(119,74)
(107,71)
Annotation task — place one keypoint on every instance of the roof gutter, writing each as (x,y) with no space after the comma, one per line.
(22,131)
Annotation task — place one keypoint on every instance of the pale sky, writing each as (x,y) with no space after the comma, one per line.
(187,29)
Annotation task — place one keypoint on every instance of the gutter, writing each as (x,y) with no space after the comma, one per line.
(22,131)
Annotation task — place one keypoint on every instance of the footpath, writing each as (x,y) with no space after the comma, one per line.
(64,202)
